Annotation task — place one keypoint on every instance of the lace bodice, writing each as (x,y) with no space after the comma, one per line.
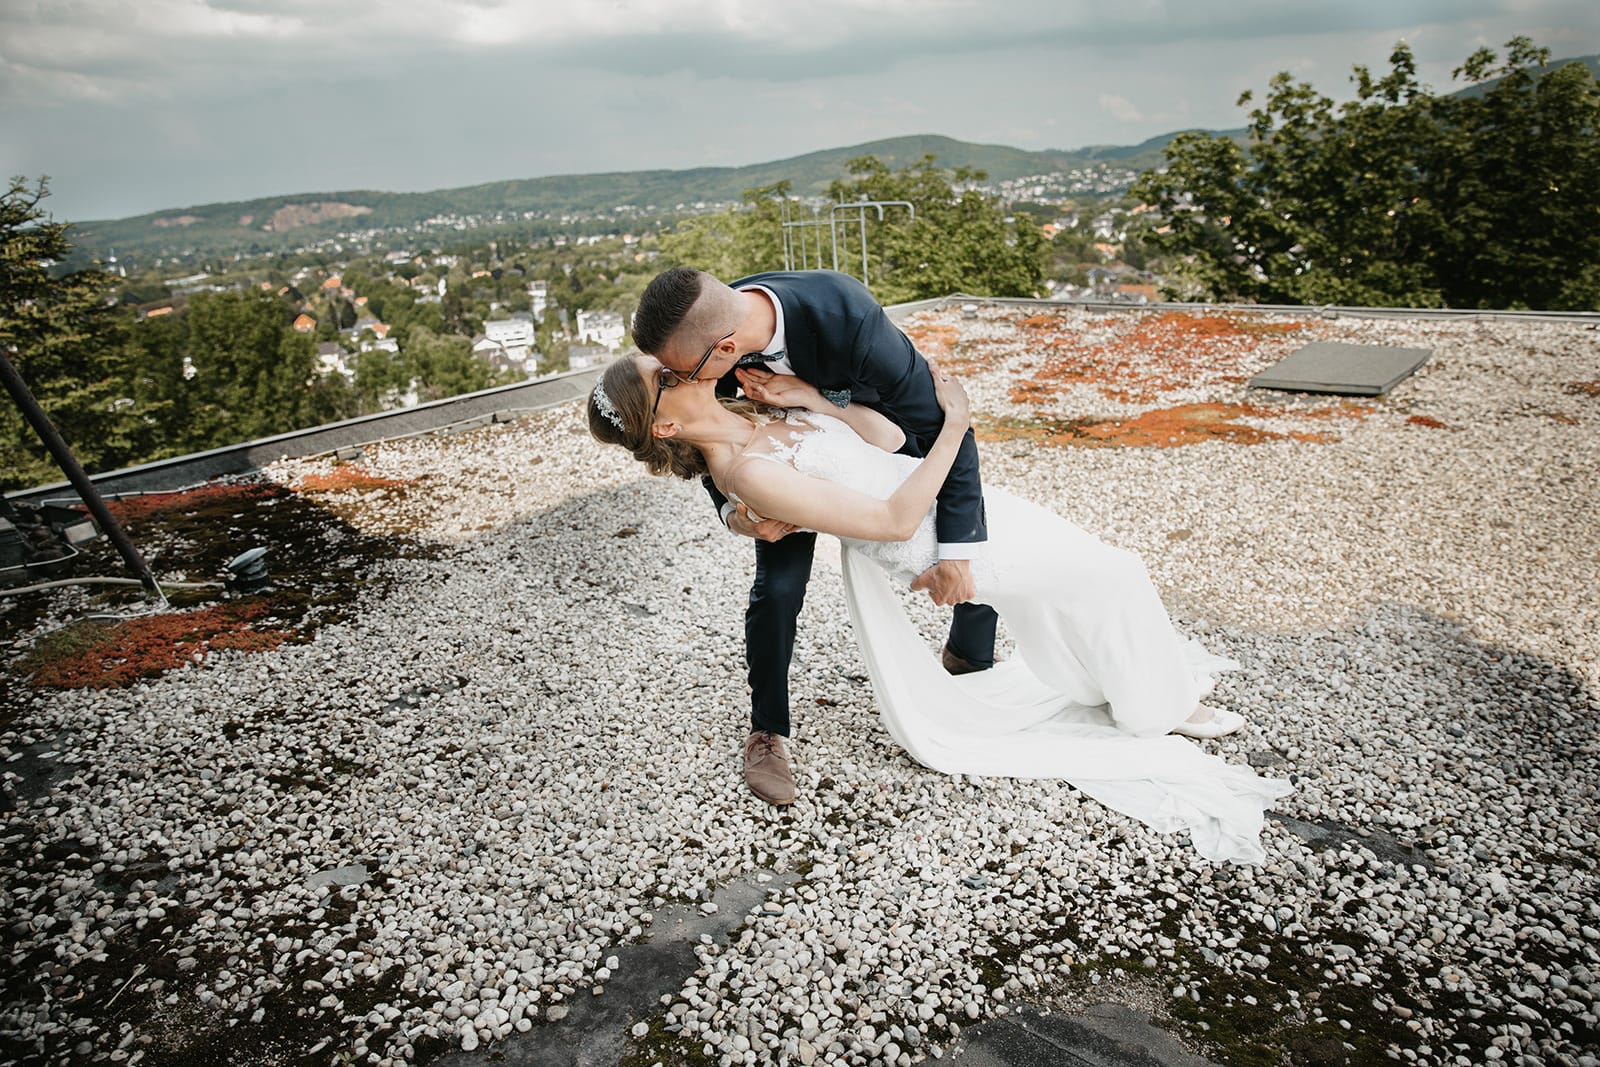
(824,447)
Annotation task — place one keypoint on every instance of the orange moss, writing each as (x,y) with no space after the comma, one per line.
(1145,355)
(133,508)
(1345,409)
(942,342)
(1428,421)
(934,340)
(349,478)
(1186,424)
(122,653)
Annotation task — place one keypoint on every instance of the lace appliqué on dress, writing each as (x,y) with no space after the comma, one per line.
(832,451)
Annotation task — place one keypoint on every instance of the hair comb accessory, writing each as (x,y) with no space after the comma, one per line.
(607,408)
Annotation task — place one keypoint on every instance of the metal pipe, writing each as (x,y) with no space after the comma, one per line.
(68,463)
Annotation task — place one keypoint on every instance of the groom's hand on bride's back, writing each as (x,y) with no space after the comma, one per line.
(948,582)
(740,522)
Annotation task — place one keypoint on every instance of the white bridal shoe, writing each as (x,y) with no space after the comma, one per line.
(1221,723)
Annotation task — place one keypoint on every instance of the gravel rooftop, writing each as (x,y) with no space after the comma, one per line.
(422,798)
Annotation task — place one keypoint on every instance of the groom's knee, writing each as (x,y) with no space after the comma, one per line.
(782,591)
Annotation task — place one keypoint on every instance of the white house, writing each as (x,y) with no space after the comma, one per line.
(539,293)
(604,328)
(582,356)
(333,359)
(522,358)
(513,332)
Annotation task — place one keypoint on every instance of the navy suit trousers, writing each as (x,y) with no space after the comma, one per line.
(782,570)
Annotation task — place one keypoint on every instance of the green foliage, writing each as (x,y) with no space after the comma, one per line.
(443,365)
(954,242)
(660,196)
(742,240)
(65,341)
(250,366)
(1481,199)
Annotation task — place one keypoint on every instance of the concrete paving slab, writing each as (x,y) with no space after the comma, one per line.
(1106,1035)
(1347,369)
(594,1030)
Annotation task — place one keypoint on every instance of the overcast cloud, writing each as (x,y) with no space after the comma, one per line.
(135,107)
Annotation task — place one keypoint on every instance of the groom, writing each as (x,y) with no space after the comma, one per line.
(826,328)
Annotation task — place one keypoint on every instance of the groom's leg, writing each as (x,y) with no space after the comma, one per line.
(782,570)
(972,629)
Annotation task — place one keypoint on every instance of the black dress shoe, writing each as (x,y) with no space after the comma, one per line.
(954,664)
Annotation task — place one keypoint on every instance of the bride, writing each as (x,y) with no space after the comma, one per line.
(1100,677)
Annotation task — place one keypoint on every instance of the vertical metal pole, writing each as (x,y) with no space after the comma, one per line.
(863,219)
(80,481)
(783,227)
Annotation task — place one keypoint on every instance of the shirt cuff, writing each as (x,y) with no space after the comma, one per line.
(961,550)
(727,509)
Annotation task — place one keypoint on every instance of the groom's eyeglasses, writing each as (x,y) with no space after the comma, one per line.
(694,375)
(666,377)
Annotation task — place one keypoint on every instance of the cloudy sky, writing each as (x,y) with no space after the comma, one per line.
(140,105)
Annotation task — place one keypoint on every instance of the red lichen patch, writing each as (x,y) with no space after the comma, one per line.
(1428,421)
(934,340)
(942,342)
(1344,409)
(350,478)
(98,656)
(132,509)
(1187,424)
(1145,355)
(1581,388)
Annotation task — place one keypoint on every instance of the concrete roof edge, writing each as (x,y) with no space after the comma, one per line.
(178,472)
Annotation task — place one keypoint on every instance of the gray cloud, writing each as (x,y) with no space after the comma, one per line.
(168,102)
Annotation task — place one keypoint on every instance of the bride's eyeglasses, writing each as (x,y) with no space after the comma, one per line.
(666,377)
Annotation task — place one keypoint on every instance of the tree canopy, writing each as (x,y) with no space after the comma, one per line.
(64,341)
(1486,198)
(958,239)
(214,369)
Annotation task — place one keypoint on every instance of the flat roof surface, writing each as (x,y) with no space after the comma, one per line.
(501,689)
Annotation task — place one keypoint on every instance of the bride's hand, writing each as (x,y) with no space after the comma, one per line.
(778,390)
(950,394)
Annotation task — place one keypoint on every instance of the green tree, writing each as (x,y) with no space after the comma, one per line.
(158,350)
(250,367)
(1516,178)
(1398,197)
(443,365)
(955,241)
(67,343)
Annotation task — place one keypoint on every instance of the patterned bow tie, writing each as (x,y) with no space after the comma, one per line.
(756,359)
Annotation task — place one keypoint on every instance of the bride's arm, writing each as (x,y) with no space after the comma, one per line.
(778,491)
(787,391)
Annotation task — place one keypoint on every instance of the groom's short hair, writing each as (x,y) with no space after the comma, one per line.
(669,308)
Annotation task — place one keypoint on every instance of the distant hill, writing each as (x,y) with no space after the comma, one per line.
(280,222)
(1592,62)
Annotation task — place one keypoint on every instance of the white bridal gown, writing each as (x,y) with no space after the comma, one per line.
(1100,674)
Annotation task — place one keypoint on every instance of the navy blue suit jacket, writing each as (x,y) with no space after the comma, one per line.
(838,338)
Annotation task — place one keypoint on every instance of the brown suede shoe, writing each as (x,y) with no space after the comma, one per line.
(766,768)
(954,664)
